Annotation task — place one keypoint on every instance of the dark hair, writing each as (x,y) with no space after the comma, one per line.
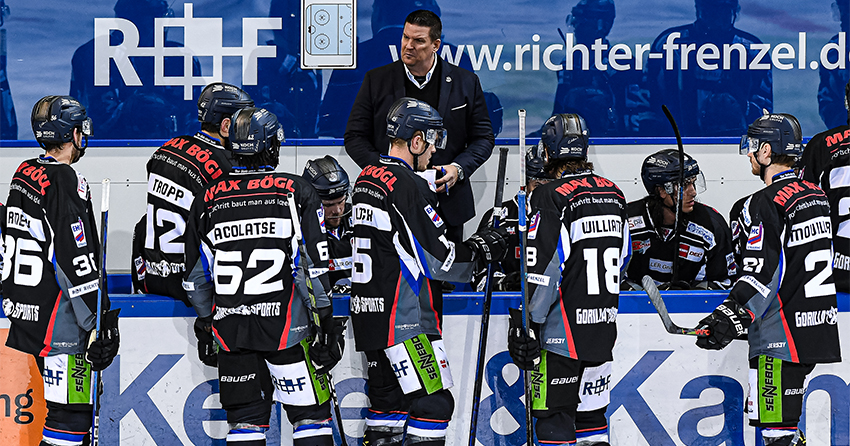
(270,157)
(784,160)
(210,127)
(567,165)
(423,17)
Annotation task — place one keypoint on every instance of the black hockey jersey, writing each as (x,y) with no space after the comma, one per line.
(508,219)
(786,273)
(50,273)
(578,245)
(245,259)
(177,172)
(400,247)
(704,246)
(339,245)
(826,162)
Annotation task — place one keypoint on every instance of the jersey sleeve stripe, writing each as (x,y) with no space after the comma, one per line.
(568,333)
(48,337)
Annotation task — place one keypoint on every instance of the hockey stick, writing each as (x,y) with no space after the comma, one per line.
(302,248)
(523,234)
(681,193)
(488,297)
(658,302)
(101,288)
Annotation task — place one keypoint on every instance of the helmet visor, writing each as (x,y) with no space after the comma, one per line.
(697,181)
(748,145)
(437,137)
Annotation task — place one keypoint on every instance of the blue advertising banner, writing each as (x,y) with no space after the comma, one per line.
(138,65)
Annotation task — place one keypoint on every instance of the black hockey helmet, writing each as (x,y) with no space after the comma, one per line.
(254,131)
(781,130)
(408,115)
(564,136)
(220,100)
(661,169)
(54,119)
(327,177)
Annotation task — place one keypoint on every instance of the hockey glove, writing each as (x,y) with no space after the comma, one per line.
(207,347)
(102,349)
(490,245)
(523,347)
(727,322)
(510,282)
(710,285)
(674,286)
(326,350)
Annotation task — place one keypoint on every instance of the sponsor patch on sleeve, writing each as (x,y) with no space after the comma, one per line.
(532,227)
(79,233)
(758,286)
(756,238)
(321,214)
(82,187)
(636,222)
(538,279)
(434,216)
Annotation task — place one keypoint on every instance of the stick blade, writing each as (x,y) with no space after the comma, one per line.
(658,302)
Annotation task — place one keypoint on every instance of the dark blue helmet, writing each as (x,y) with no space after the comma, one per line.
(254,131)
(327,176)
(661,169)
(408,115)
(220,100)
(781,130)
(564,136)
(54,119)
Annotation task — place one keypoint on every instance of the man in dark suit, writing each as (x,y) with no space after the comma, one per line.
(455,92)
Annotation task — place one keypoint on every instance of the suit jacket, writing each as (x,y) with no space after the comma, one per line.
(465,118)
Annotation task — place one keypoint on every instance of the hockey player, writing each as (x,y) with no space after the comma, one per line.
(247,279)
(508,278)
(50,276)
(331,182)
(178,172)
(578,245)
(826,162)
(400,252)
(702,247)
(785,295)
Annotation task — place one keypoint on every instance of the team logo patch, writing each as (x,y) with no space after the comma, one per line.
(736,229)
(79,233)
(641,246)
(756,238)
(532,227)
(434,216)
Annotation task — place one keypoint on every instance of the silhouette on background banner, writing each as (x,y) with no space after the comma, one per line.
(283,88)
(144,112)
(832,82)
(387,25)
(613,103)
(717,102)
(8,120)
